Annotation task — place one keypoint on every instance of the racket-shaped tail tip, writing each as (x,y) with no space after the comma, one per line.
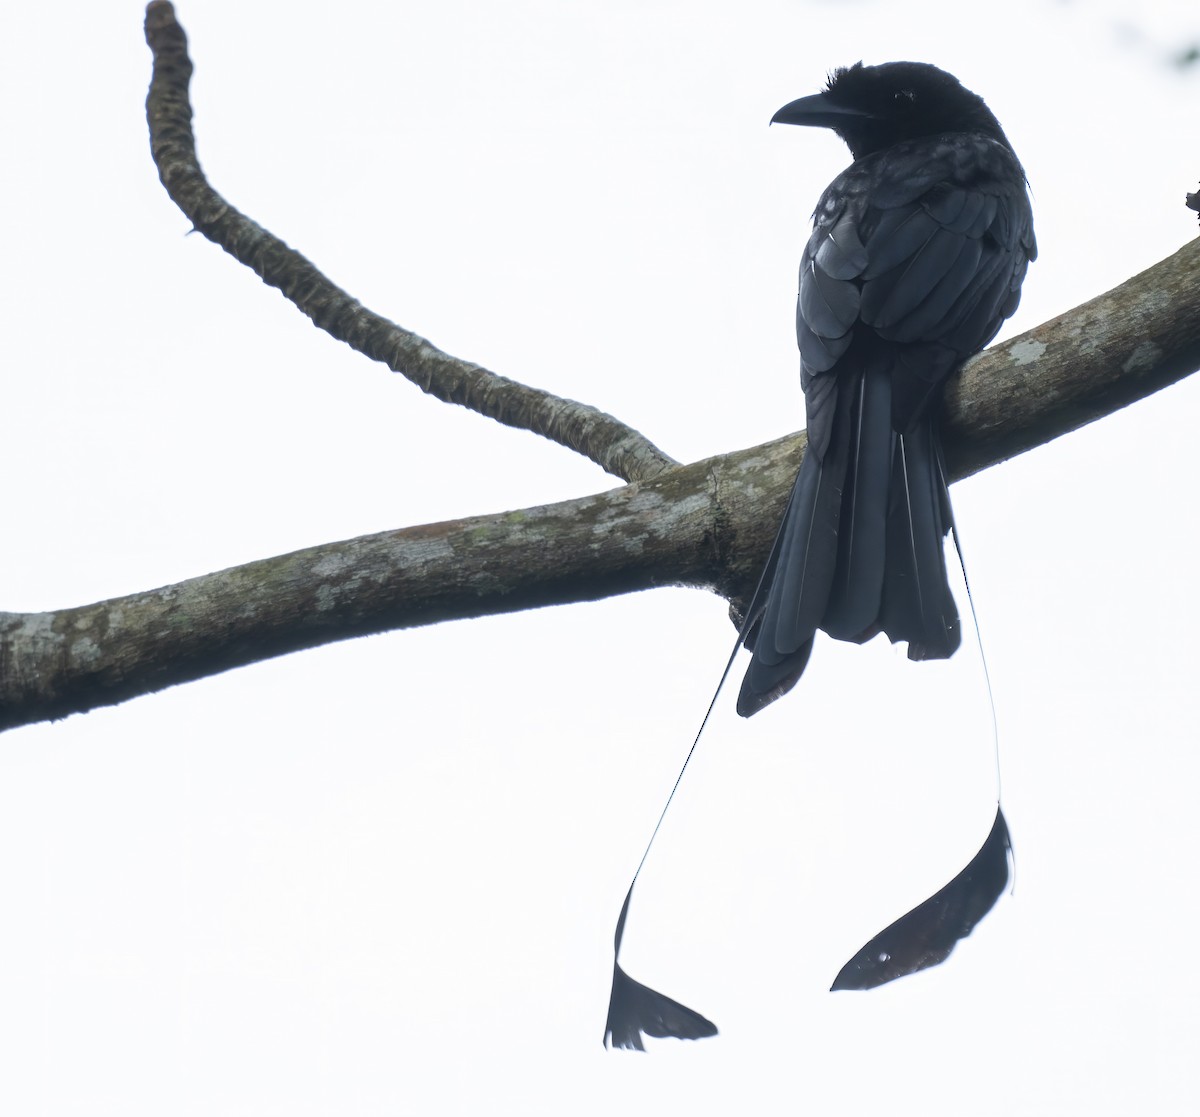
(635,1010)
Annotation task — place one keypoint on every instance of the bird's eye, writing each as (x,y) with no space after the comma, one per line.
(904,95)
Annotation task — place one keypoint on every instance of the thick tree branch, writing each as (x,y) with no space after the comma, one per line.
(611,444)
(705,525)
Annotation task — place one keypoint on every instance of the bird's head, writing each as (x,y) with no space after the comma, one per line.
(874,107)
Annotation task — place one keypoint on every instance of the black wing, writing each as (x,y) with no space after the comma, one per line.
(914,262)
(917,257)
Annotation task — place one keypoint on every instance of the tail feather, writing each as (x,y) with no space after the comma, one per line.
(763,683)
(807,563)
(860,549)
(793,597)
(858,585)
(917,605)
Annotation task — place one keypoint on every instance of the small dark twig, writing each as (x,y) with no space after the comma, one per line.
(611,444)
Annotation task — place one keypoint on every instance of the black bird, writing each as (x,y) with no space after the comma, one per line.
(917,256)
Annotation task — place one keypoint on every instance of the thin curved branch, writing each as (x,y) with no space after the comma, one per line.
(614,446)
(705,525)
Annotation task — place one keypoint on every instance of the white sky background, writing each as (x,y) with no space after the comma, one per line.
(382,877)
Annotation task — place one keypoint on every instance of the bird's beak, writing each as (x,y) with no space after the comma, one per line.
(816,111)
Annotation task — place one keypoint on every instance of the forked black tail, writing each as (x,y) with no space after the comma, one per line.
(861,547)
